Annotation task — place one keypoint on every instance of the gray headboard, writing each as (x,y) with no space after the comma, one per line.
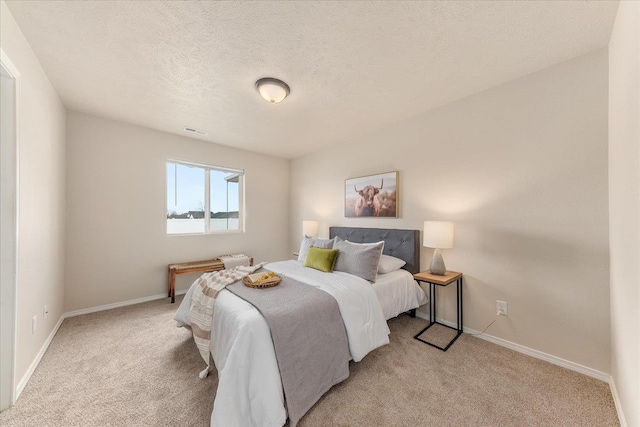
(403,244)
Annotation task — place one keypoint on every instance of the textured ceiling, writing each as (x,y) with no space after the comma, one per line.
(352,67)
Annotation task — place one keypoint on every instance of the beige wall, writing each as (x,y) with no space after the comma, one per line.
(522,171)
(520,168)
(117,247)
(624,207)
(41,180)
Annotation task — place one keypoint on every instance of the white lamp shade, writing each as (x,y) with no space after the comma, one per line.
(310,228)
(272,90)
(438,234)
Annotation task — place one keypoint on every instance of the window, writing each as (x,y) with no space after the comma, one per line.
(193,190)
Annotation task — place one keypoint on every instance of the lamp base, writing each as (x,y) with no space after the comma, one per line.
(437,264)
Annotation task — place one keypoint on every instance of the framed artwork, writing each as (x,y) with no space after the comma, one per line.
(373,195)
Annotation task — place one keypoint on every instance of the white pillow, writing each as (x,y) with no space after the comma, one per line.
(308,242)
(389,263)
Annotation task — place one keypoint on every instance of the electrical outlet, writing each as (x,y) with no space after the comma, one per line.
(501,305)
(45,311)
(34,324)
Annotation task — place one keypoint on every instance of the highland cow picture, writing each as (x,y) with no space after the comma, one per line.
(373,195)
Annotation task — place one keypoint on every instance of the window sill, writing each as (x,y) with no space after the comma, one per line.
(217,232)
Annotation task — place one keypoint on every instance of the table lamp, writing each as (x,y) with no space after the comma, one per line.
(438,235)
(310,228)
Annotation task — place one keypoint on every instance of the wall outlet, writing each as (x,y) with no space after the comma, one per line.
(34,324)
(45,311)
(501,305)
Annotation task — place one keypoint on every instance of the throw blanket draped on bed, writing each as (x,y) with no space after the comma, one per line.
(309,340)
(202,302)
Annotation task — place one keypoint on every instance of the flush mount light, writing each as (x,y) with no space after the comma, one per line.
(272,90)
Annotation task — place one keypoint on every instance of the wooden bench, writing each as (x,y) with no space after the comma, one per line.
(193,267)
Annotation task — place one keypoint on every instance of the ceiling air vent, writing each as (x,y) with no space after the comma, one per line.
(196,131)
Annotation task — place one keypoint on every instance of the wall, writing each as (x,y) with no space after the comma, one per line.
(8,227)
(41,194)
(118,248)
(521,169)
(624,207)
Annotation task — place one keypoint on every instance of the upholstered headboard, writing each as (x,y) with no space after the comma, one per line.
(403,244)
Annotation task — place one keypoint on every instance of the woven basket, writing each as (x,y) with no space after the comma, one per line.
(262,285)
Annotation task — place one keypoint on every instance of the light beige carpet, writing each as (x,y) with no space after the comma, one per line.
(132,367)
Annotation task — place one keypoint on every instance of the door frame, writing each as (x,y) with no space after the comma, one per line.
(9,279)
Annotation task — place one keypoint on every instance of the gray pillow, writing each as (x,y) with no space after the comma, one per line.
(358,259)
(308,242)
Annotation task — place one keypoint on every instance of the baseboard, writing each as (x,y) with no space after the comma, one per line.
(504,343)
(27,376)
(616,401)
(422,315)
(529,351)
(119,304)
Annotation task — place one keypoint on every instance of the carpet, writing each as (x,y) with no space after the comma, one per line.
(132,367)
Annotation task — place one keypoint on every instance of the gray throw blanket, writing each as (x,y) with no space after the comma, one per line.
(309,339)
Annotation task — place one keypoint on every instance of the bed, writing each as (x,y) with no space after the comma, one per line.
(250,391)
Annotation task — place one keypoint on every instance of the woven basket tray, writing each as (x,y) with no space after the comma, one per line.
(262,285)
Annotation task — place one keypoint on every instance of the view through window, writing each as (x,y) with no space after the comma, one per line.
(203,199)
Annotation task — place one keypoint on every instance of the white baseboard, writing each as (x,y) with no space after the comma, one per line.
(616,401)
(529,351)
(119,304)
(27,376)
(504,343)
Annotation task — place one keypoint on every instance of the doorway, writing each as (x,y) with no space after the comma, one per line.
(9,95)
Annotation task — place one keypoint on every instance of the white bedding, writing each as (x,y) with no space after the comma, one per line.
(249,386)
(398,293)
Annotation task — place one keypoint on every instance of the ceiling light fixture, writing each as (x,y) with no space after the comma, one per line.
(272,90)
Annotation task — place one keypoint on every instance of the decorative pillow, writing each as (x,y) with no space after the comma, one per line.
(321,259)
(389,263)
(308,242)
(358,259)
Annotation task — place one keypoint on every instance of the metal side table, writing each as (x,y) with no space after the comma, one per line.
(433,281)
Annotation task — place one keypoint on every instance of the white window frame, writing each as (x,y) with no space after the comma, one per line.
(207,196)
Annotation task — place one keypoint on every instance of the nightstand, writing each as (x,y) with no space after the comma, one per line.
(433,281)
